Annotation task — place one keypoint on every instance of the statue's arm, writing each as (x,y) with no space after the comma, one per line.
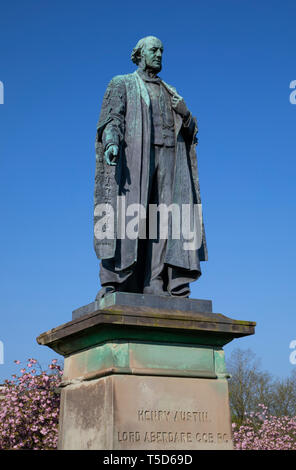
(111,122)
(190,128)
(179,105)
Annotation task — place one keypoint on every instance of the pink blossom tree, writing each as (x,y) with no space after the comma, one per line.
(263,431)
(29,408)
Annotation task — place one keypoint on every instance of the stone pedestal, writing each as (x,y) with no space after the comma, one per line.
(145,372)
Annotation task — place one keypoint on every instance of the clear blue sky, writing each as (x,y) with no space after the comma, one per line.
(233,61)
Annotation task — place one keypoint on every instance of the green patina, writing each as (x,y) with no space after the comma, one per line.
(73,344)
(136,357)
(220,366)
(167,356)
(102,357)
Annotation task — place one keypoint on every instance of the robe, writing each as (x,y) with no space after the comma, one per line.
(126,112)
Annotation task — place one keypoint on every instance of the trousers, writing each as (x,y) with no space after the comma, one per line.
(150,271)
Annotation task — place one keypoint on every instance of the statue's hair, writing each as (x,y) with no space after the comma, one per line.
(136,52)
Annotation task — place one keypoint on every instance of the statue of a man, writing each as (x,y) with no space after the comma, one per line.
(145,148)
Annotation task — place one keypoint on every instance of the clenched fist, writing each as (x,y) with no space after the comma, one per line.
(111,155)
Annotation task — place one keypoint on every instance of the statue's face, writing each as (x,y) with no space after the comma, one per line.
(152,53)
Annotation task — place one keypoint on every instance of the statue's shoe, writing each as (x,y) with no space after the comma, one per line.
(104,291)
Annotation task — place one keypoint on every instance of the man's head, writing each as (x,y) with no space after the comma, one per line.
(148,54)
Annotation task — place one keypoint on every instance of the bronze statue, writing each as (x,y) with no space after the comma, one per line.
(145,157)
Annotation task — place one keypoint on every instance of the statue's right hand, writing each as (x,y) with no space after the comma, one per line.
(111,155)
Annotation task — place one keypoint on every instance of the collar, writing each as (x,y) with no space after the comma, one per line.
(146,77)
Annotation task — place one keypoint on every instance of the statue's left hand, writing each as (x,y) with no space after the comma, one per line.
(179,106)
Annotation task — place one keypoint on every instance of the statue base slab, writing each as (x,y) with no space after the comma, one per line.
(146,375)
(132,412)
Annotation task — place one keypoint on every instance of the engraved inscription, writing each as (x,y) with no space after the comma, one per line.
(165,437)
(197,418)
(173,413)
(129,436)
(173,416)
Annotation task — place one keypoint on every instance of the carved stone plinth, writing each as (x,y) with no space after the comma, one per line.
(142,374)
